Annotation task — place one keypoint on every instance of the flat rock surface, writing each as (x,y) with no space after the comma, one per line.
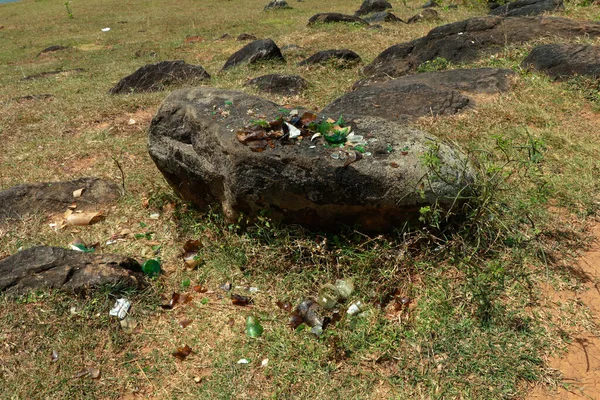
(564,60)
(398,101)
(154,77)
(280,84)
(299,181)
(57,268)
(342,58)
(326,18)
(465,41)
(524,8)
(476,80)
(259,50)
(55,197)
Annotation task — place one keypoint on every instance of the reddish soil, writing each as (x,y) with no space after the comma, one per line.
(580,366)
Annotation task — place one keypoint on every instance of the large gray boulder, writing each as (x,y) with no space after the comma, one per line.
(57,268)
(465,41)
(565,60)
(193,139)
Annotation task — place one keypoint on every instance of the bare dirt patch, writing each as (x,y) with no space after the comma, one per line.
(580,366)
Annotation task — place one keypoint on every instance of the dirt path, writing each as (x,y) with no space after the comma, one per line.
(581,365)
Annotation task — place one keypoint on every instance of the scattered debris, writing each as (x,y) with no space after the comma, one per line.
(239,300)
(151,268)
(264,362)
(54,356)
(253,327)
(120,308)
(243,361)
(105,29)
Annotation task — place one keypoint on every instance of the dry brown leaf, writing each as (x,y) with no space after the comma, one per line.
(83,218)
(182,352)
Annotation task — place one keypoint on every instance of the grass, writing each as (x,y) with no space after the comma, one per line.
(477,325)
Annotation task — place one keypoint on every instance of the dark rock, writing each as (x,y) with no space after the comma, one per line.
(64,72)
(564,60)
(427,14)
(154,77)
(341,58)
(245,36)
(371,6)
(57,268)
(478,80)
(326,18)
(398,101)
(277,4)
(383,16)
(55,197)
(524,8)
(464,41)
(430,4)
(279,84)
(52,49)
(224,36)
(259,50)
(202,160)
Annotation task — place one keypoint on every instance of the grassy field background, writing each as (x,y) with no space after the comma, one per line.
(478,324)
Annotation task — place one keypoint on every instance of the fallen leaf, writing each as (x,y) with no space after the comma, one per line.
(239,300)
(285,306)
(182,352)
(77,193)
(231,322)
(295,321)
(353,156)
(83,218)
(184,323)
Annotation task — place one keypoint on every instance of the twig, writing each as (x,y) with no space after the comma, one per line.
(122,173)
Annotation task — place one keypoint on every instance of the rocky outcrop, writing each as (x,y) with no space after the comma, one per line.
(259,50)
(565,60)
(154,77)
(465,41)
(200,141)
(43,267)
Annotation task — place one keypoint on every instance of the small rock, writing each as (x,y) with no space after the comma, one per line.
(430,4)
(427,14)
(524,8)
(154,77)
(371,6)
(259,50)
(245,36)
(277,4)
(342,58)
